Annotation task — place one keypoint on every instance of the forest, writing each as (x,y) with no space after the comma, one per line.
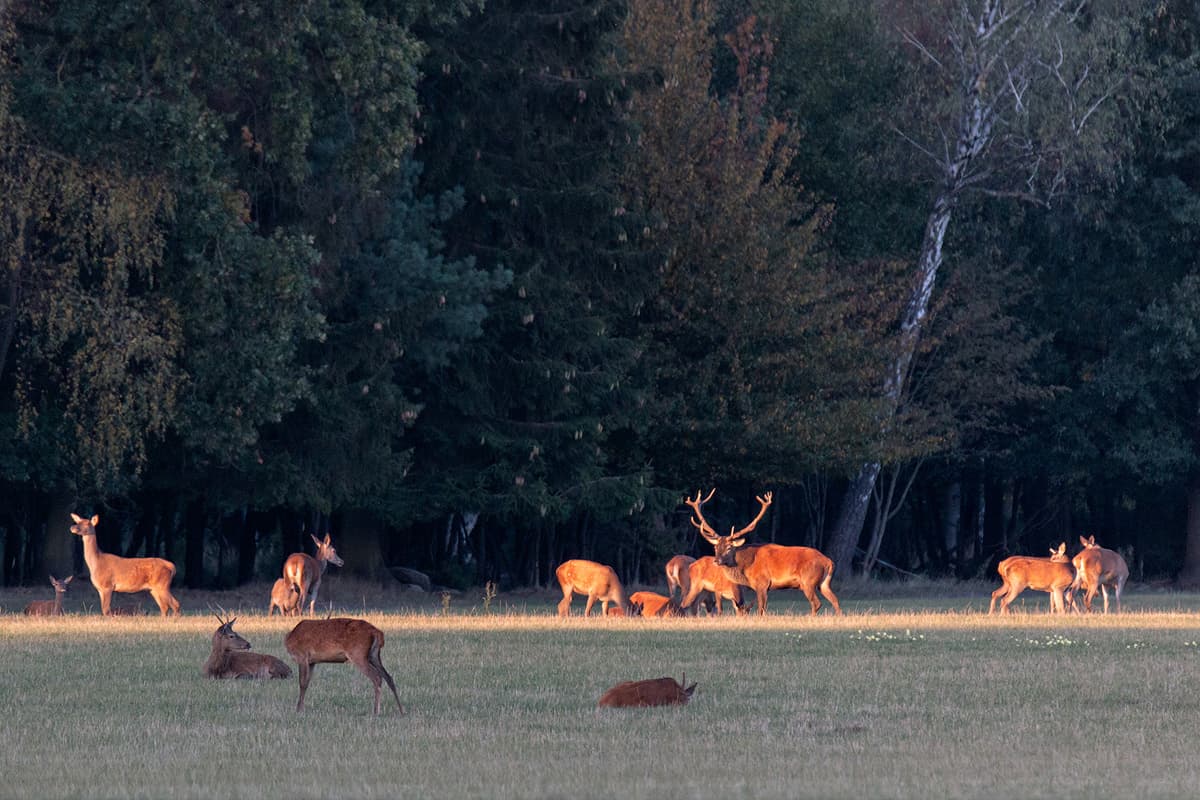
(478,286)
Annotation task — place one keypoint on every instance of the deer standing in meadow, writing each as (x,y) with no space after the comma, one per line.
(706,576)
(1097,568)
(50,608)
(111,573)
(763,567)
(653,604)
(231,657)
(304,571)
(596,581)
(677,575)
(336,641)
(1053,575)
(652,692)
(284,597)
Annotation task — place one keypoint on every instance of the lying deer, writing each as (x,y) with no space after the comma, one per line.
(652,692)
(336,641)
(112,573)
(708,577)
(596,581)
(230,657)
(653,604)
(53,608)
(1053,575)
(1097,569)
(677,575)
(284,597)
(304,572)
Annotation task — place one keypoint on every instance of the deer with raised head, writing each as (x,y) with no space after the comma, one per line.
(336,641)
(594,581)
(304,571)
(652,692)
(111,573)
(50,608)
(763,567)
(231,657)
(677,575)
(1053,575)
(706,576)
(1097,568)
(284,597)
(653,604)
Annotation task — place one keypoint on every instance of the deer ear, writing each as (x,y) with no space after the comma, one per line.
(315,539)
(76,517)
(68,579)
(1083,541)
(688,691)
(95,520)
(738,542)
(327,539)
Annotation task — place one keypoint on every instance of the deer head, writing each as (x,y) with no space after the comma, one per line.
(325,551)
(725,547)
(83,526)
(226,638)
(1060,555)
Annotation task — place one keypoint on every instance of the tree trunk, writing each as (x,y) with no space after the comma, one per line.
(1189,576)
(360,543)
(193,556)
(58,543)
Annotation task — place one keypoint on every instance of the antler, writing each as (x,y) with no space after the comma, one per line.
(765,503)
(698,520)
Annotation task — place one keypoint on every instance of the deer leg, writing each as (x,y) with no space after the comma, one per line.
(312,601)
(1117,593)
(591,601)
(814,602)
(762,601)
(564,605)
(827,590)
(1104,591)
(996,596)
(1013,590)
(105,601)
(305,670)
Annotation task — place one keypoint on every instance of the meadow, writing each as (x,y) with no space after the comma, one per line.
(904,696)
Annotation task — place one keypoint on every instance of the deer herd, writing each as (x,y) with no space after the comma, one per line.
(691,582)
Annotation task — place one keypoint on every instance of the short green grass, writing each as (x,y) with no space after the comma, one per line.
(902,697)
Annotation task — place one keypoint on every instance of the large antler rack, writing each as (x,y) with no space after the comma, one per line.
(698,520)
(764,503)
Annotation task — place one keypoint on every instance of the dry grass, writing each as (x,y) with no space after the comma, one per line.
(907,697)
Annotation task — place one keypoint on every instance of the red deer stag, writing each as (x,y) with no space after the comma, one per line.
(284,597)
(1097,569)
(231,657)
(336,641)
(1053,575)
(652,692)
(596,581)
(111,573)
(764,567)
(50,608)
(304,571)
(653,604)
(706,576)
(677,575)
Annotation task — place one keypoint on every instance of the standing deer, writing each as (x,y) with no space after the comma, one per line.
(50,608)
(336,641)
(677,575)
(230,657)
(1053,575)
(284,597)
(652,692)
(304,571)
(112,573)
(653,604)
(597,581)
(764,567)
(706,576)
(1097,568)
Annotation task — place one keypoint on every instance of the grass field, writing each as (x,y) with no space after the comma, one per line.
(905,696)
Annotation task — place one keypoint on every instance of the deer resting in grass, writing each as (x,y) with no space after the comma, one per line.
(111,573)
(50,608)
(764,567)
(336,641)
(706,576)
(1097,568)
(284,597)
(653,604)
(643,694)
(595,581)
(304,571)
(1053,575)
(231,657)
(677,575)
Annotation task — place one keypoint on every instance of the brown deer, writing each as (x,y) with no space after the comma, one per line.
(336,641)
(677,575)
(652,692)
(50,608)
(1097,568)
(112,573)
(284,597)
(596,581)
(304,571)
(1053,575)
(653,604)
(231,657)
(705,576)
(764,567)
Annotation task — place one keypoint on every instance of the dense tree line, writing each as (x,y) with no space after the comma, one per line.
(480,286)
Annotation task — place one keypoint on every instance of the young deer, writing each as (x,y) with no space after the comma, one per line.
(284,597)
(1053,575)
(304,572)
(1096,569)
(652,692)
(677,575)
(706,576)
(652,604)
(230,657)
(336,641)
(597,581)
(50,608)
(112,573)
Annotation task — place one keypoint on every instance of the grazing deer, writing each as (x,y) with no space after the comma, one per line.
(1097,569)
(111,573)
(597,581)
(50,608)
(1053,575)
(653,604)
(336,641)
(764,567)
(304,571)
(231,657)
(652,692)
(705,576)
(677,575)
(284,597)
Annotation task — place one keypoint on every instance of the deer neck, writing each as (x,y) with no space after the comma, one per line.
(218,661)
(57,603)
(91,552)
